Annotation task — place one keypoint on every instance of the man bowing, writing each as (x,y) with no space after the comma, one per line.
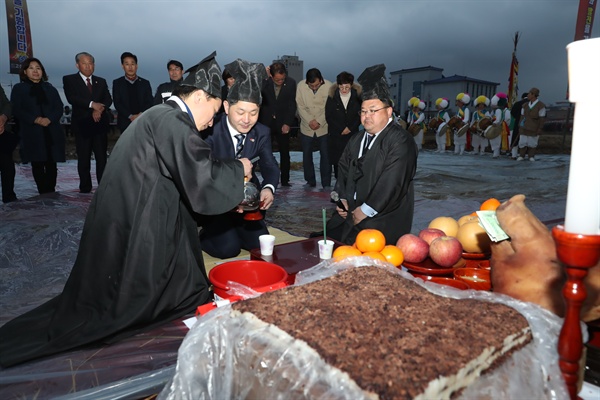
(236,134)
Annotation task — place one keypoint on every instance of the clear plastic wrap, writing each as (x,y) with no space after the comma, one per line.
(227,356)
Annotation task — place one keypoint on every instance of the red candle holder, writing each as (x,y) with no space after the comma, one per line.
(579,253)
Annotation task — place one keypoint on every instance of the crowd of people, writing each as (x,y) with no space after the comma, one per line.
(176,177)
(512,131)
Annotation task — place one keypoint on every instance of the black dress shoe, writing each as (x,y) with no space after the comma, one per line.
(315,234)
(286,184)
(85,191)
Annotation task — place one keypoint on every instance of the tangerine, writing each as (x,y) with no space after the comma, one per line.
(370,240)
(490,204)
(393,255)
(375,255)
(345,251)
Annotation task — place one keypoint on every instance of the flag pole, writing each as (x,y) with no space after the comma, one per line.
(513,86)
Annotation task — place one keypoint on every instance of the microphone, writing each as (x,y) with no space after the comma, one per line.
(335,198)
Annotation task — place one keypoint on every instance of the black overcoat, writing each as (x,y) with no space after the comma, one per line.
(383,179)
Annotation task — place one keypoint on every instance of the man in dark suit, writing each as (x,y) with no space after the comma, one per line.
(278,112)
(89,96)
(237,134)
(132,93)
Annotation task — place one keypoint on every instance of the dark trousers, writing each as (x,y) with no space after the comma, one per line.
(85,145)
(223,236)
(7,176)
(307,159)
(44,173)
(283,142)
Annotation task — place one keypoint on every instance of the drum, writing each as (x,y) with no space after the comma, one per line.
(434,123)
(462,130)
(484,123)
(455,122)
(402,123)
(493,131)
(414,129)
(443,129)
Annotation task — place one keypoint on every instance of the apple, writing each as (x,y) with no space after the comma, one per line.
(413,247)
(428,234)
(445,251)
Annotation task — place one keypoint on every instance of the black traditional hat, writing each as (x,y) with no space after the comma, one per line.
(374,85)
(206,75)
(249,78)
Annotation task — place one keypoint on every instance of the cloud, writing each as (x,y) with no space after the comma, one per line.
(467,37)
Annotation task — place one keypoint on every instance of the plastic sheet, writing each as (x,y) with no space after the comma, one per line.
(39,239)
(226,356)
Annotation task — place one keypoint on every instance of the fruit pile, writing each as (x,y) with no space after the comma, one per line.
(371,243)
(445,239)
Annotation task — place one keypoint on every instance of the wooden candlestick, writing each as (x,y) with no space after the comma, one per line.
(579,253)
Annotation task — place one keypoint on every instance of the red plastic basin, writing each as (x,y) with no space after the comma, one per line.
(261,276)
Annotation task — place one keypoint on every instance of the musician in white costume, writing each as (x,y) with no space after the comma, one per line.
(416,117)
(478,141)
(501,117)
(441,105)
(462,100)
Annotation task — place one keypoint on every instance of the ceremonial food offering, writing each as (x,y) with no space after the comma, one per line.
(381,348)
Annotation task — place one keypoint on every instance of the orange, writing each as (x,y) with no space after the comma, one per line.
(490,204)
(375,255)
(370,240)
(393,255)
(345,251)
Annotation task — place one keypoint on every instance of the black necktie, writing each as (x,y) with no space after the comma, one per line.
(89,84)
(239,146)
(368,141)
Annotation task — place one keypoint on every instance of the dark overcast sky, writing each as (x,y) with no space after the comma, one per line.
(468,37)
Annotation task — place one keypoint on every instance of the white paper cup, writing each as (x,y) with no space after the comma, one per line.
(267,242)
(325,249)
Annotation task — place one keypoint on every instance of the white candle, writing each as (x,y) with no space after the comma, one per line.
(583,196)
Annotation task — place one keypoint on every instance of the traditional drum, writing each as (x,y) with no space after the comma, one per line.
(402,123)
(462,130)
(414,129)
(484,123)
(434,123)
(455,122)
(493,131)
(443,129)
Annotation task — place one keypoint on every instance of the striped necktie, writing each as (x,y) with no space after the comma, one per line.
(239,146)
(88,84)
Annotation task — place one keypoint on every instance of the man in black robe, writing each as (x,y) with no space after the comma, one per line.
(376,169)
(139,263)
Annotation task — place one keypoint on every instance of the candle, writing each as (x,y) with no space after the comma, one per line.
(583,196)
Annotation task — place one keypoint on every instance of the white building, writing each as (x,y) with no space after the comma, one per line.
(428,84)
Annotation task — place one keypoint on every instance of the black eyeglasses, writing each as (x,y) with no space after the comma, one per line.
(371,112)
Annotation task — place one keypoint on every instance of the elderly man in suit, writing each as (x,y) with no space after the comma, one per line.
(237,134)
(278,112)
(132,93)
(89,96)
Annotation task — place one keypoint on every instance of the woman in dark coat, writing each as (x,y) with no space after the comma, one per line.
(38,108)
(342,114)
